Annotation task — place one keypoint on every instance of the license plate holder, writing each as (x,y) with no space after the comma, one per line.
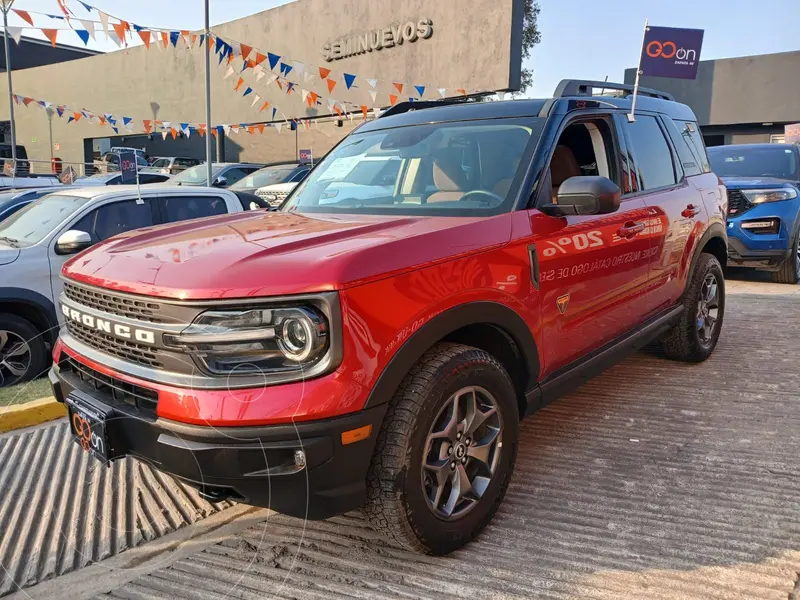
(88,421)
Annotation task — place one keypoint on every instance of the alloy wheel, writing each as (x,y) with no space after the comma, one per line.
(708,309)
(462,452)
(15,357)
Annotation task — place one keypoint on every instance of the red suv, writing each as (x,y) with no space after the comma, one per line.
(378,347)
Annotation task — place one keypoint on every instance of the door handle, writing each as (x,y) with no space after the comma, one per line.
(630,229)
(690,211)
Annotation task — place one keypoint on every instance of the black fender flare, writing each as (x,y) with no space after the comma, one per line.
(37,302)
(716,230)
(473,313)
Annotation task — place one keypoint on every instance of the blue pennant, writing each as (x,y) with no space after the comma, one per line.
(285,69)
(126,121)
(86,6)
(293,125)
(184,126)
(202,39)
(137,27)
(70,120)
(289,87)
(59,17)
(274,112)
(112,121)
(412,99)
(60,112)
(220,45)
(173,37)
(349,79)
(115,130)
(84,35)
(420,90)
(247,92)
(273,59)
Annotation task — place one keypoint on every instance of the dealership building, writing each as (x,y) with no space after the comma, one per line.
(420,49)
(743,100)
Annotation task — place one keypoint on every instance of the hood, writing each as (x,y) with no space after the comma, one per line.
(751,183)
(277,188)
(278,253)
(7,254)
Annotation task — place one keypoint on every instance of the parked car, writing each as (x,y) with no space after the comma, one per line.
(224,174)
(381,351)
(251,201)
(172,166)
(36,241)
(23,166)
(763,182)
(275,195)
(271,175)
(29,181)
(13,200)
(109,162)
(145,178)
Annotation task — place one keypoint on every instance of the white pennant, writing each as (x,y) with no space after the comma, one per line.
(255,100)
(278,126)
(442,92)
(237,48)
(227,129)
(166,124)
(164,134)
(104,21)
(260,75)
(272,79)
(307,76)
(187,132)
(230,72)
(112,35)
(374,95)
(305,95)
(299,67)
(372,82)
(88,26)
(15,33)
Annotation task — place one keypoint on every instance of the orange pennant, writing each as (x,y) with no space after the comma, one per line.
(159,123)
(174,133)
(214,132)
(77,116)
(462,92)
(23,14)
(264,107)
(148,126)
(399,87)
(145,35)
(364,110)
(119,29)
(260,58)
(323,73)
(393,99)
(331,84)
(230,58)
(251,64)
(251,129)
(201,131)
(338,110)
(246,50)
(280,85)
(238,85)
(51,34)
(185,35)
(260,128)
(165,39)
(194,39)
(102,120)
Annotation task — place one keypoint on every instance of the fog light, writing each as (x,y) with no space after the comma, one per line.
(765,226)
(300,458)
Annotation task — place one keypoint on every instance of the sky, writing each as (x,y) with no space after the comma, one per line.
(581,39)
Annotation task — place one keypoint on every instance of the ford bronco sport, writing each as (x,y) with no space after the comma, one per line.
(380,352)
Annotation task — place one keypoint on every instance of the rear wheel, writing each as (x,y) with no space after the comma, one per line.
(445,452)
(23,353)
(790,270)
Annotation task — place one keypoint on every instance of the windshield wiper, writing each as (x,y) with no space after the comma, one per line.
(10,241)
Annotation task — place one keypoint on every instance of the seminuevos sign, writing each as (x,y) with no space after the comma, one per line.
(671,52)
(378,39)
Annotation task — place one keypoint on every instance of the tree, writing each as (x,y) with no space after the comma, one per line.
(530,37)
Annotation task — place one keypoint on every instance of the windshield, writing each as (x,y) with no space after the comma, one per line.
(454,169)
(196,175)
(34,222)
(161,163)
(758,161)
(266,176)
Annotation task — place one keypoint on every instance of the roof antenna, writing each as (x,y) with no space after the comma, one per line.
(632,115)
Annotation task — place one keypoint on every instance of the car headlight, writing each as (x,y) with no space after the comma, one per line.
(773,195)
(281,340)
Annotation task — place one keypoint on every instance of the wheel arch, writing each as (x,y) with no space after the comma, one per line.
(34,307)
(490,326)
(714,241)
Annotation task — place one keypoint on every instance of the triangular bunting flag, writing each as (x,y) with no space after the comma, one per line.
(103,21)
(331,85)
(70,120)
(227,129)
(442,92)
(349,79)
(399,87)
(273,60)
(194,39)
(420,90)
(77,116)
(164,134)
(229,73)
(274,112)
(88,26)
(148,126)
(24,15)
(323,73)
(219,46)
(307,76)
(86,6)
(372,83)
(260,58)
(264,107)
(112,35)
(102,120)
(392,99)
(26,101)
(278,126)
(364,111)
(260,128)
(165,39)
(251,129)
(235,48)
(285,69)
(289,88)
(59,110)
(462,92)
(300,67)
(255,100)
(304,94)
(84,35)
(238,84)
(51,34)
(246,50)
(15,33)
(247,92)
(173,38)
(126,121)
(174,133)
(214,131)
(260,75)
(374,95)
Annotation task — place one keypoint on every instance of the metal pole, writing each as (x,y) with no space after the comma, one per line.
(50,124)
(209,167)
(6,7)
(631,116)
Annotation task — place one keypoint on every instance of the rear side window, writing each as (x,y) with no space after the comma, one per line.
(652,153)
(152,178)
(183,208)
(690,133)
(115,218)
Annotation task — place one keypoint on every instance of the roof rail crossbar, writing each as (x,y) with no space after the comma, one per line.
(577,87)
(404,107)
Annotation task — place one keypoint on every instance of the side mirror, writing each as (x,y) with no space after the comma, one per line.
(73,241)
(221,182)
(585,195)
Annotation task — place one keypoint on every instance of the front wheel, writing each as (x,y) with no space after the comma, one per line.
(23,354)
(790,270)
(445,452)
(694,338)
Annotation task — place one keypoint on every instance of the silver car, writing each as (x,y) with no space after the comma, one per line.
(36,241)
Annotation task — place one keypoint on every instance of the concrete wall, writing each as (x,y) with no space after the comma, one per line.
(751,89)
(475,46)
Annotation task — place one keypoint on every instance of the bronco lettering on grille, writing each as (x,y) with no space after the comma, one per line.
(109,327)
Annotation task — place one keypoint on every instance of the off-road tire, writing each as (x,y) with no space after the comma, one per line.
(682,342)
(395,504)
(790,270)
(38,349)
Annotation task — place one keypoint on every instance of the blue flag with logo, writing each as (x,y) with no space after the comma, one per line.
(671,52)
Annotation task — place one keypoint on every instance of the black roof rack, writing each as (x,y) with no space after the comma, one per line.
(577,87)
(404,107)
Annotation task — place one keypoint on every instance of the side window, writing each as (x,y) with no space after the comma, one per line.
(236,174)
(151,178)
(114,181)
(653,156)
(584,148)
(299,176)
(183,208)
(690,133)
(115,218)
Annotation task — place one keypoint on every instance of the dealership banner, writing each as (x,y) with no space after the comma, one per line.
(671,52)
(792,134)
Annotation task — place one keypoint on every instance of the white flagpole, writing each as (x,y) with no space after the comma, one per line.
(632,115)
(209,167)
(6,6)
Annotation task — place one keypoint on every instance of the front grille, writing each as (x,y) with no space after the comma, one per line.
(141,398)
(130,351)
(737,203)
(272,198)
(142,310)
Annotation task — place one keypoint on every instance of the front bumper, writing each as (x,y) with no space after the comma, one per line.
(255,465)
(768,251)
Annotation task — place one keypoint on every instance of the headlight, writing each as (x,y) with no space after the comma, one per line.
(270,197)
(256,341)
(773,195)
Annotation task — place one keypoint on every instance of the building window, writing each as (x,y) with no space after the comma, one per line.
(777,138)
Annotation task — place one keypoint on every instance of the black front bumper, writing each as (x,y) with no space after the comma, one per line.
(740,255)
(255,465)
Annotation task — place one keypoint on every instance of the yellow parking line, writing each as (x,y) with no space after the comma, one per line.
(30,414)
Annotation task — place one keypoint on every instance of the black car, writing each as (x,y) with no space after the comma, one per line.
(23,166)
(272,174)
